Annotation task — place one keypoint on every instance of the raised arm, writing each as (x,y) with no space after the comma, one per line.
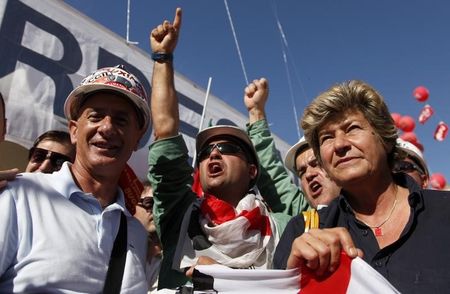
(255,98)
(274,182)
(164,104)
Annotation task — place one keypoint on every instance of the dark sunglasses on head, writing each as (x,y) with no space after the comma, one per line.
(39,155)
(224,148)
(146,202)
(407,167)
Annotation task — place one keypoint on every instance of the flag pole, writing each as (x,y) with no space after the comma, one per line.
(128,25)
(202,119)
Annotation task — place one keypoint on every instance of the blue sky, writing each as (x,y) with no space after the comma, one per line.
(393,45)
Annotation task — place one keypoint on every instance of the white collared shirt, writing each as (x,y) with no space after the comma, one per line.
(56,238)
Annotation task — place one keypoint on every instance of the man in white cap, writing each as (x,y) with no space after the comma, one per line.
(413,164)
(234,227)
(318,188)
(70,232)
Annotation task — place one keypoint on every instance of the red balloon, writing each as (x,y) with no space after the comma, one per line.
(426,113)
(441,131)
(396,117)
(410,137)
(421,93)
(437,181)
(406,123)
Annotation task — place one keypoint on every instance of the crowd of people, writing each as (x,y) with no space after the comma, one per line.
(65,226)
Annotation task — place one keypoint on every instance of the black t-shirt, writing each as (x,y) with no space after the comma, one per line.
(418,262)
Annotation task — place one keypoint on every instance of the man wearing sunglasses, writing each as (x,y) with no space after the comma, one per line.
(58,231)
(230,224)
(144,213)
(413,164)
(50,151)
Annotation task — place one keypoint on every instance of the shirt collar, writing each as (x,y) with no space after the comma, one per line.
(415,197)
(63,182)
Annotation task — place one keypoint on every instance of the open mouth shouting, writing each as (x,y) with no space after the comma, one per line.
(316,188)
(215,169)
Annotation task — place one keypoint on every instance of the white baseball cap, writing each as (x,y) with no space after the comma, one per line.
(414,152)
(291,155)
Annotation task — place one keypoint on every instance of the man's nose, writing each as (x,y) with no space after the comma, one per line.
(46,166)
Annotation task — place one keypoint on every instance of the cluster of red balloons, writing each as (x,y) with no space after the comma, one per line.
(407,125)
(421,94)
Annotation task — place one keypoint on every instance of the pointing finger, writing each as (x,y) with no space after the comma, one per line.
(177,19)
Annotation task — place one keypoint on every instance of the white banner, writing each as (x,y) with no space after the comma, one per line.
(47,47)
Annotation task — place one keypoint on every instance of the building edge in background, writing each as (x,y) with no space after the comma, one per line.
(48,46)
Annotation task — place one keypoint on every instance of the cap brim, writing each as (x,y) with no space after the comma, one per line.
(207,134)
(413,152)
(76,98)
(289,160)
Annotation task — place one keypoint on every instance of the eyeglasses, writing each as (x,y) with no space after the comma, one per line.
(146,202)
(224,148)
(39,155)
(407,167)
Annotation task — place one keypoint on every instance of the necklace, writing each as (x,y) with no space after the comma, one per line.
(377,229)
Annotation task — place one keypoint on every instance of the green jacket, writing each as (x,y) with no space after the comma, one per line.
(275,183)
(170,175)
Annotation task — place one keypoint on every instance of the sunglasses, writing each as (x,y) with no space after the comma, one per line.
(39,155)
(146,202)
(224,148)
(407,167)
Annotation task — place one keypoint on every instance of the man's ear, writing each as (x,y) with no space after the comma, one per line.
(425,181)
(73,131)
(253,171)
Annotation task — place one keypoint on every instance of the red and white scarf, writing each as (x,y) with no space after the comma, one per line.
(241,237)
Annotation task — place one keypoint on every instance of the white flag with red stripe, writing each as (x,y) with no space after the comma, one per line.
(352,276)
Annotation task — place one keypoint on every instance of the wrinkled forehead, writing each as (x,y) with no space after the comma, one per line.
(50,144)
(105,98)
(304,158)
(111,102)
(306,155)
(341,120)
